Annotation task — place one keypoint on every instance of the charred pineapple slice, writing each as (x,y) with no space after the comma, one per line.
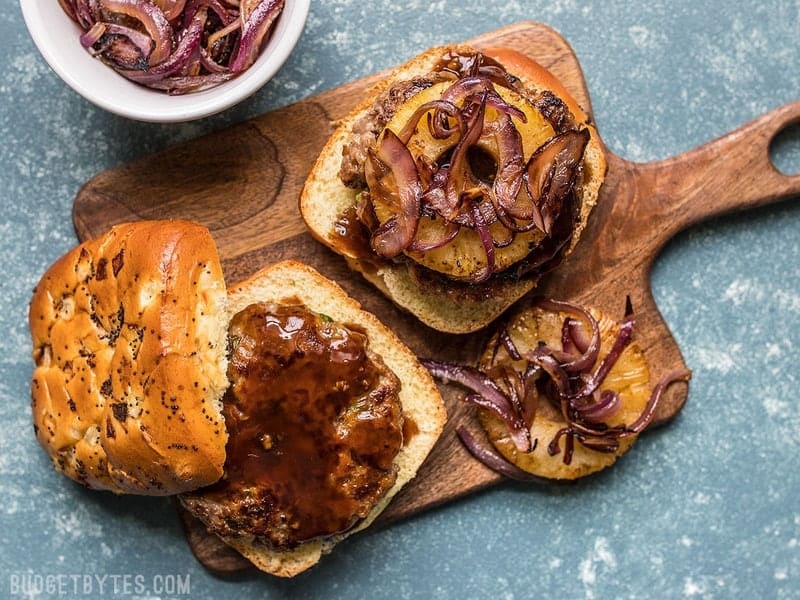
(629,377)
(464,256)
(534,132)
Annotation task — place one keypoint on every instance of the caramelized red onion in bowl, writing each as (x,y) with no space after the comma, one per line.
(177,46)
(56,35)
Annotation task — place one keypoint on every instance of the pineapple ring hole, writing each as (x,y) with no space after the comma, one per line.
(482,164)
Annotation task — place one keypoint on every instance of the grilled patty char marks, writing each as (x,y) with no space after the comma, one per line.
(314,422)
(367,128)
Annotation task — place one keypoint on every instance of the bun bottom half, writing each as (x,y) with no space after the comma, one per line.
(289,282)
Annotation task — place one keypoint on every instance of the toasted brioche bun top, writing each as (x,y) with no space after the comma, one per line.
(287,283)
(325,199)
(129,342)
(521,65)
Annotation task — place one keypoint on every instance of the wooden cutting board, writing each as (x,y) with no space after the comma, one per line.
(244,183)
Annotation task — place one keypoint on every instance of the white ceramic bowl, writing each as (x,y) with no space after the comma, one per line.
(56,36)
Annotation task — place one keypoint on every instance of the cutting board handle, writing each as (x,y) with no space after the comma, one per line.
(730,173)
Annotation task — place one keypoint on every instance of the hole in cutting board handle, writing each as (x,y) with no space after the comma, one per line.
(784,151)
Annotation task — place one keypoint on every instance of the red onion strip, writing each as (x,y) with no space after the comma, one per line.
(482,228)
(495,74)
(439,123)
(598,430)
(510,234)
(443,107)
(190,83)
(209,64)
(391,238)
(457,174)
(600,410)
(568,344)
(486,394)
(577,336)
(171,8)
(620,343)
(509,345)
(92,35)
(187,48)
(85,14)
(516,388)
(68,6)
(141,41)
(647,415)
(224,15)
(153,21)
(492,460)
(543,358)
(449,234)
(554,447)
(476,85)
(550,173)
(215,37)
(589,356)
(511,164)
(607,445)
(254,31)
(520,434)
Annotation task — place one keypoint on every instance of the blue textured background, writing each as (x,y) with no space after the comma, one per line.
(708,507)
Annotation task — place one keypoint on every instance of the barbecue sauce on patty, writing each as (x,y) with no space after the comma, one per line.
(314,424)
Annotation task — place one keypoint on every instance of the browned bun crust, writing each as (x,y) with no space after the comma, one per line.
(516,62)
(325,199)
(129,341)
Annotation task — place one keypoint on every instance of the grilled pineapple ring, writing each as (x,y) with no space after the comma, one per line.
(629,377)
(464,256)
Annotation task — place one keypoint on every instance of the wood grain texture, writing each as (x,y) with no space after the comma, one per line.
(244,183)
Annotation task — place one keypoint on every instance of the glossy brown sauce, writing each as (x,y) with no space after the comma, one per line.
(314,425)
(410,429)
(354,236)
(464,65)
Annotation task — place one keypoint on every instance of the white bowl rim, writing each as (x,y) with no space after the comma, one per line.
(99,84)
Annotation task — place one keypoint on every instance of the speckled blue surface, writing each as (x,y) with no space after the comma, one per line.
(708,507)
